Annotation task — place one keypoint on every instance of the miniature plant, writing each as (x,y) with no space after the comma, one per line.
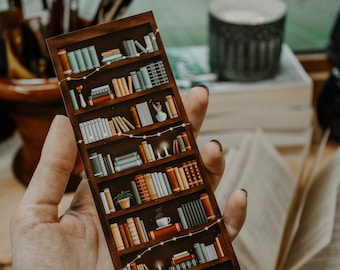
(123,195)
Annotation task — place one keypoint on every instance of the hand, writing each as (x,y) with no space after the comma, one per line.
(42,240)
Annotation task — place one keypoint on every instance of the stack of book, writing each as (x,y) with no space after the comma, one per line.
(281,106)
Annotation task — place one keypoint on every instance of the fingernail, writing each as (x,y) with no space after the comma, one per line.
(219,144)
(205,87)
(245,192)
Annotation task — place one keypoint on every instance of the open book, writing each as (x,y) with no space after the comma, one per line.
(291,220)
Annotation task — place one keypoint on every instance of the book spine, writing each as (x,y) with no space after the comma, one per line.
(207,206)
(176,227)
(150,186)
(135,192)
(74,99)
(133,230)
(80,60)
(105,205)
(109,200)
(73,62)
(64,61)
(182,218)
(124,236)
(172,179)
(172,106)
(87,58)
(117,237)
(93,56)
(129,165)
(135,116)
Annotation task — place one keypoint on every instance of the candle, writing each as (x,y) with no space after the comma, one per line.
(166,151)
(159,267)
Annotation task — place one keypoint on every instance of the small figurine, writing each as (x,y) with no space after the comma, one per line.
(160,116)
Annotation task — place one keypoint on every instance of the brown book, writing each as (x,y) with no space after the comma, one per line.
(65,64)
(220,240)
(192,172)
(147,151)
(197,172)
(186,140)
(128,123)
(184,178)
(112,127)
(170,172)
(207,206)
(179,178)
(130,84)
(142,188)
(116,88)
(97,100)
(150,185)
(125,86)
(128,234)
(133,230)
(188,257)
(172,106)
(139,229)
(117,236)
(173,228)
(135,116)
(123,234)
(142,153)
(188,174)
(121,87)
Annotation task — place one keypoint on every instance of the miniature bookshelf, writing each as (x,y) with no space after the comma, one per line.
(135,141)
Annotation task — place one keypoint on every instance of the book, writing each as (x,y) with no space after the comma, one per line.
(281,104)
(296,226)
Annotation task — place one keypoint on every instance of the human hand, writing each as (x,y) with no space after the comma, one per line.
(41,239)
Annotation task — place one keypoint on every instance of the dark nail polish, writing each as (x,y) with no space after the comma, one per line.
(245,192)
(219,144)
(205,87)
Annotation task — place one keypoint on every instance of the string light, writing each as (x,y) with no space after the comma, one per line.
(98,68)
(139,256)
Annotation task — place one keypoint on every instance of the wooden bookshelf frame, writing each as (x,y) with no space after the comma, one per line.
(174,130)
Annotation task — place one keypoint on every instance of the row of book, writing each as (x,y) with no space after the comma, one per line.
(133,232)
(146,77)
(155,185)
(101,128)
(196,212)
(79,60)
(103,165)
(134,266)
(202,254)
(132,46)
(86,58)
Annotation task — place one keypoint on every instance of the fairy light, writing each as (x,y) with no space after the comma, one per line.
(162,243)
(98,68)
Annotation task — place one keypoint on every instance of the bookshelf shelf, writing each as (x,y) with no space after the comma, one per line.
(135,141)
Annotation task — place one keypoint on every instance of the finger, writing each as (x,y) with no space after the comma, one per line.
(58,156)
(235,212)
(214,162)
(196,103)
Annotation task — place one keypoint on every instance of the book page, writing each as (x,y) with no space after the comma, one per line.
(317,220)
(270,188)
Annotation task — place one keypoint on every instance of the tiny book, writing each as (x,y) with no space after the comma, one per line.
(147,178)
